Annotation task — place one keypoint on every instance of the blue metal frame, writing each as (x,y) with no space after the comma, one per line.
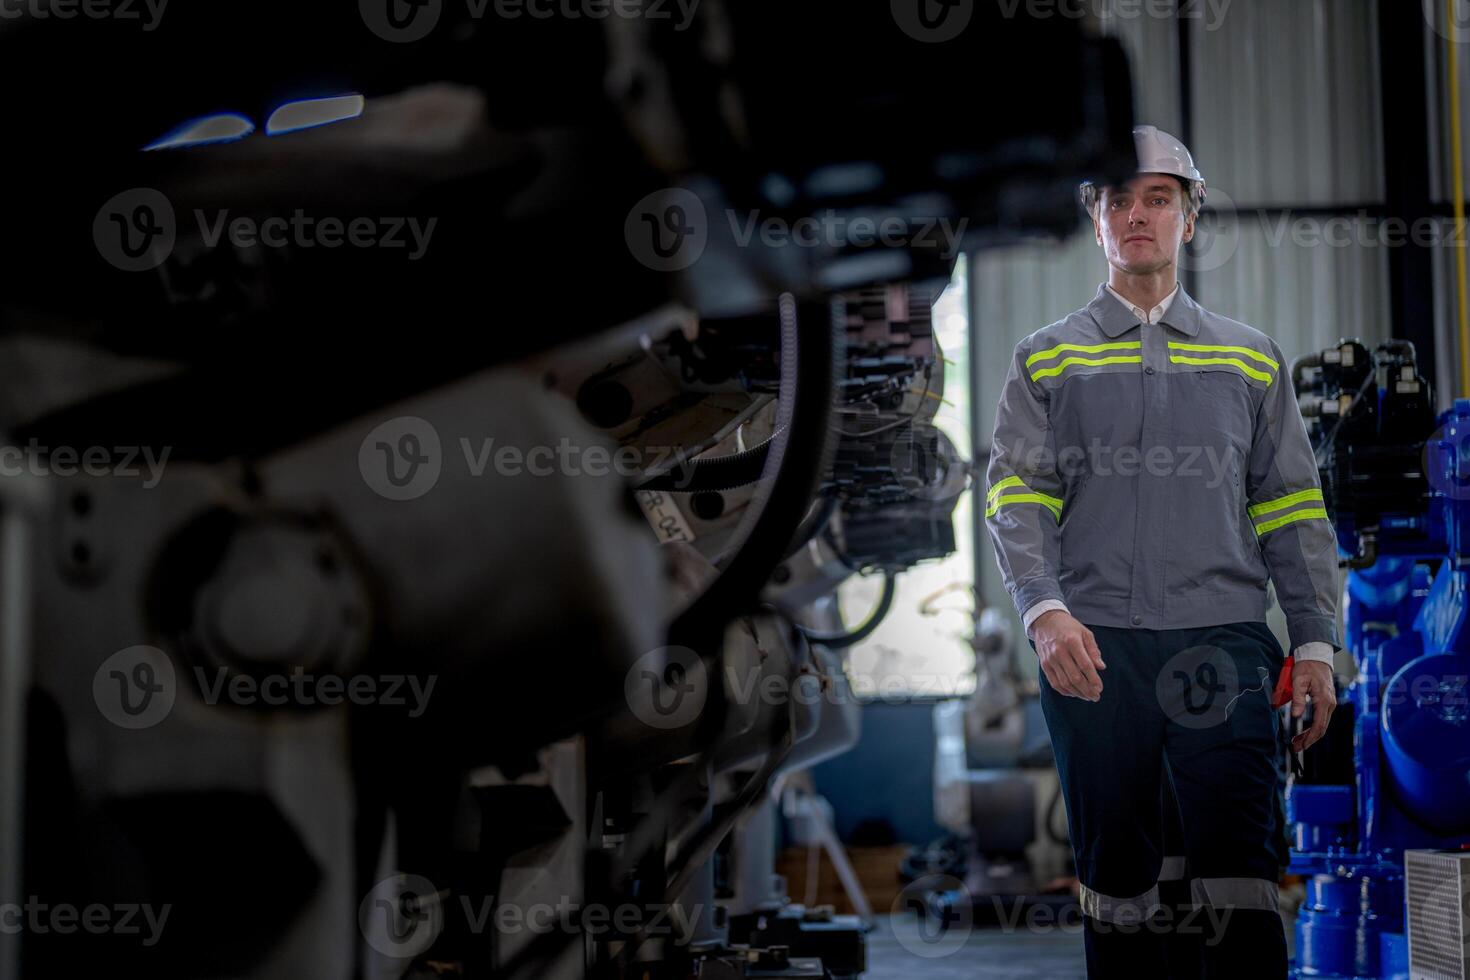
(1406,628)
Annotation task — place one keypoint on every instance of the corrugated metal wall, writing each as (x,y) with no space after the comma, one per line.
(1286,102)
(1286,114)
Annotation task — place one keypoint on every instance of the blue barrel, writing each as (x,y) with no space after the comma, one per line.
(1426,739)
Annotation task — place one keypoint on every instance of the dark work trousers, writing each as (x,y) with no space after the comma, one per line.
(1170,781)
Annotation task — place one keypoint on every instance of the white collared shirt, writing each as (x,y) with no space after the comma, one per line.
(1154,315)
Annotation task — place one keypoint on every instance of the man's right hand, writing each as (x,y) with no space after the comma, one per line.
(1069,655)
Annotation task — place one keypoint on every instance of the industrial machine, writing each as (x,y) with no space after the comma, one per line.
(427,647)
(1389,785)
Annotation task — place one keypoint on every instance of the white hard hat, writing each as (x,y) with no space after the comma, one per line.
(1158,153)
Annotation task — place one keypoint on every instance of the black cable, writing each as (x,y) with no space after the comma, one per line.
(816,522)
(797,459)
(713,474)
(841,641)
(701,847)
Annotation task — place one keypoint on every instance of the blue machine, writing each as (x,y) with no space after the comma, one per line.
(1394,771)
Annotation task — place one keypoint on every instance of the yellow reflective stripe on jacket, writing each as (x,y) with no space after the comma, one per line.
(1067,362)
(1010,481)
(994,502)
(1050,503)
(1222,349)
(1281,503)
(1234,362)
(1050,352)
(1296,515)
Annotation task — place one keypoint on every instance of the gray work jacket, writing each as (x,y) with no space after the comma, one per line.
(1157,475)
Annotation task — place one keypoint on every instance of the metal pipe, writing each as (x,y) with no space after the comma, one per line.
(1458,173)
(20,501)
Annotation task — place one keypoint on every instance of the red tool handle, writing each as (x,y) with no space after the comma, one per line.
(1282,694)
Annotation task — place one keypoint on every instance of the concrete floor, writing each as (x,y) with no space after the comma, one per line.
(898,951)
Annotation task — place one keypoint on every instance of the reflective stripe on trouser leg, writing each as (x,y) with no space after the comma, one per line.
(1236,893)
(1120,911)
(1172,869)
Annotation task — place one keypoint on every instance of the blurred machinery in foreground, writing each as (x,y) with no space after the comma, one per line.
(444,641)
(1381,815)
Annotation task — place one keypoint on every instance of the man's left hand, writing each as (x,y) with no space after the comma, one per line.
(1312,679)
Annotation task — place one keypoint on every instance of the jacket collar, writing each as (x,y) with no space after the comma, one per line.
(1115,319)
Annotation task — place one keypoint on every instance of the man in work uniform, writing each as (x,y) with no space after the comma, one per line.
(1150,470)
